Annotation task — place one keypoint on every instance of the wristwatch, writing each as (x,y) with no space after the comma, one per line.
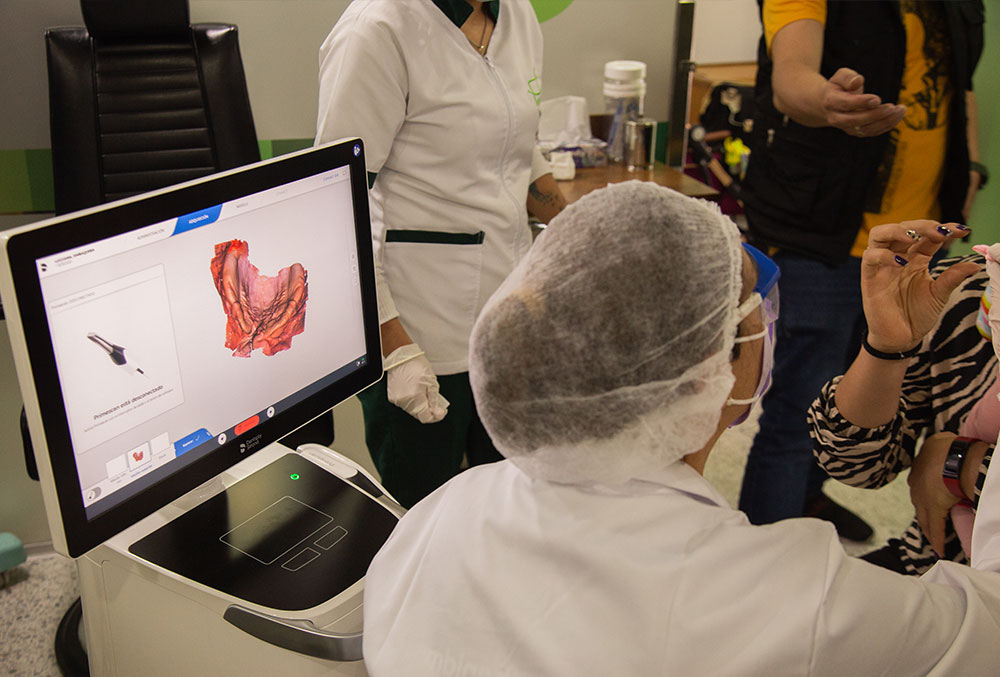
(984,174)
(951,473)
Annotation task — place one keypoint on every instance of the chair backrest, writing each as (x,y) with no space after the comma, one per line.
(141,99)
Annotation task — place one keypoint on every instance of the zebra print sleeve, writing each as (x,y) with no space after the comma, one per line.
(952,371)
(861,457)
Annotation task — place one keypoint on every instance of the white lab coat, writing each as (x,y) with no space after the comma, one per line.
(451,135)
(497,573)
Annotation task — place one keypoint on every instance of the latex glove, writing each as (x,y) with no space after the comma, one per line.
(412,385)
(928,493)
(902,301)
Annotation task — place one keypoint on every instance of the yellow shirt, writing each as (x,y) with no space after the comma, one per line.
(909,178)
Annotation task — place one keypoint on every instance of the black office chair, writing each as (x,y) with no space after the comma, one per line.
(141,99)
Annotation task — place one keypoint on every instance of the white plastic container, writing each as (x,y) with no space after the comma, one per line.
(624,100)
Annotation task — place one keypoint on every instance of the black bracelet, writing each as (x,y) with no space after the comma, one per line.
(984,174)
(912,352)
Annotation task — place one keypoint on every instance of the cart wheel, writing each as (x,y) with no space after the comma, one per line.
(70,654)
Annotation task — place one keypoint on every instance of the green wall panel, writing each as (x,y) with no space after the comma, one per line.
(39,168)
(26,175)
(15,186)
(985,217)
(282,146)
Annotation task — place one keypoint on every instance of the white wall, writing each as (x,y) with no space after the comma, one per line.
(279,40)
(282,67)
(725,31)
(589,33)
(24,115)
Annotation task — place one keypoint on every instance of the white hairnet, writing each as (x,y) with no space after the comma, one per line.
(606,353)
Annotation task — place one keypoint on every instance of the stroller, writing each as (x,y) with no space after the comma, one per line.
(718,146)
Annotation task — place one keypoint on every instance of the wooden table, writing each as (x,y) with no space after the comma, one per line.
(593,178)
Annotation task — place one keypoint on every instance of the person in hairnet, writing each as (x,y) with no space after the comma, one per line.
(445,95)
(635,331)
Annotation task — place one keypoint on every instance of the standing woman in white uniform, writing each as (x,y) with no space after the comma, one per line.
(444,93)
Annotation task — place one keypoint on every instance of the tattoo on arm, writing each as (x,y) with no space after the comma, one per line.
(545,198)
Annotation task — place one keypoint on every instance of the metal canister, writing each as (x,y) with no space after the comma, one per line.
(640,143)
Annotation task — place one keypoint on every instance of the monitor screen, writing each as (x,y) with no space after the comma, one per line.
(173,334)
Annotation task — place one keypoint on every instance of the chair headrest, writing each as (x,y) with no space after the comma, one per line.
(135,18)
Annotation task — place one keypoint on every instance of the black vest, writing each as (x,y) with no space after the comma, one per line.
(806,187)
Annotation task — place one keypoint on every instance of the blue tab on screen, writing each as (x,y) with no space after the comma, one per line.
(197,219)
(186,444)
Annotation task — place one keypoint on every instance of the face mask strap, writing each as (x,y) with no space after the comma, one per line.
(763,380)
(748,305)
(751,337)
(744,309)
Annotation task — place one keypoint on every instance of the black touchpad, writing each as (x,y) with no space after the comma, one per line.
(277,529)
(290,536)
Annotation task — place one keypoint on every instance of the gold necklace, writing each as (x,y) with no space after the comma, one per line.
(481,47)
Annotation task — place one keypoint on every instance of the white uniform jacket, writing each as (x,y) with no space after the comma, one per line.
(451,135)
(497,573)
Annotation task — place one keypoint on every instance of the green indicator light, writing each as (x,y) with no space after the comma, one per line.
(294,476)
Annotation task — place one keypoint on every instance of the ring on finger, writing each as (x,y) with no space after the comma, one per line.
(912,234)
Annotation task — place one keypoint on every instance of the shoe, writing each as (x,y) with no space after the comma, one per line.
(848,525)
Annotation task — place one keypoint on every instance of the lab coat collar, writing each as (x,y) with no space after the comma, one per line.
(676,477)
(458,11)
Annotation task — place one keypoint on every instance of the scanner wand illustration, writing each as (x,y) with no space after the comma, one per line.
(115,352)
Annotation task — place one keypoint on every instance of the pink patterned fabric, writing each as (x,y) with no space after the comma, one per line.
(983,423)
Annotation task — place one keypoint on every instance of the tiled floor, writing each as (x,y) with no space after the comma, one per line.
(888,510)
(30,609)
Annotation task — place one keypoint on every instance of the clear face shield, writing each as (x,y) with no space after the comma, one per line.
(764,297)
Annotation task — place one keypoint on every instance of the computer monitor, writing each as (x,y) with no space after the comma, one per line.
(161,339)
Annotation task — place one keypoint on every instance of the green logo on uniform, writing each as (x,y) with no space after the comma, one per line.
(535,87)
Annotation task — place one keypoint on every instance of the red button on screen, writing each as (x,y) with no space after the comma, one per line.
(247,424)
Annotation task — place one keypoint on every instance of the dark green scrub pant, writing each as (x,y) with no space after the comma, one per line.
(413,458)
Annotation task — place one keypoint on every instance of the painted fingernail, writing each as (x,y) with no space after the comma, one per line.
(962,227)
(912,234)
(901,261)
(943,230)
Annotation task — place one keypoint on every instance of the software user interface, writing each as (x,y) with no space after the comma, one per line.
(175,337)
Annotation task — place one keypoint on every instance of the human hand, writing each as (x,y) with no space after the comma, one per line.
(848,108)
(928,493)
(412,386)
(902,302)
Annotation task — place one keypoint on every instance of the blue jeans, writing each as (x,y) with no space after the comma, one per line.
(818,335)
